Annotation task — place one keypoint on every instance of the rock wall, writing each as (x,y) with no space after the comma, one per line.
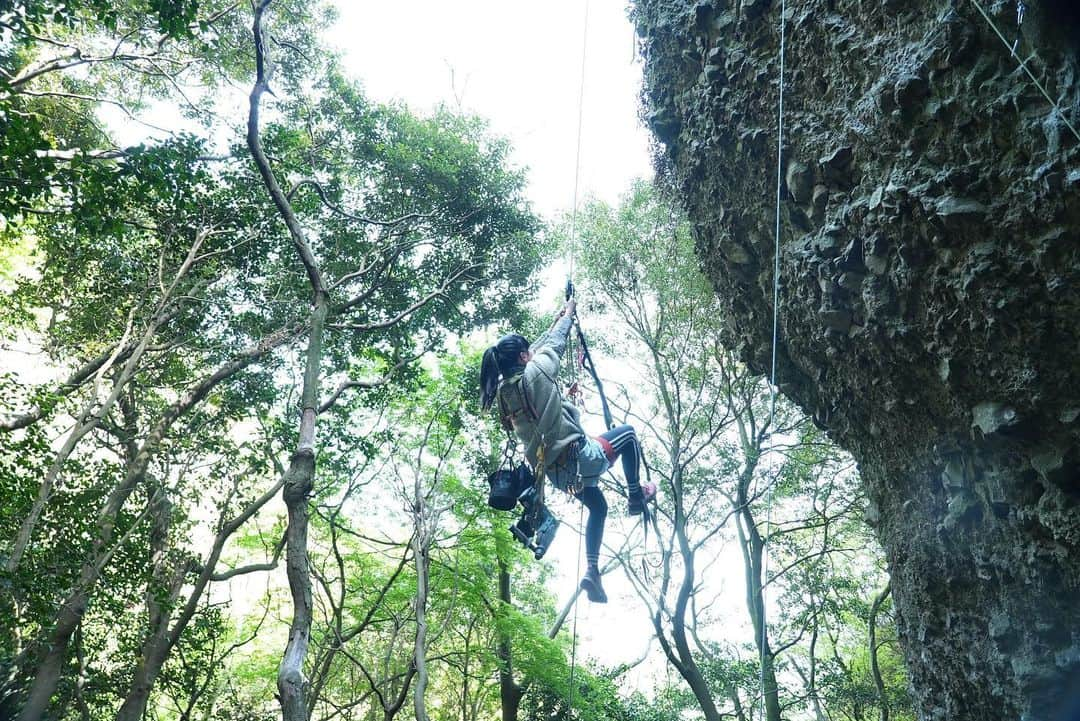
(930,303)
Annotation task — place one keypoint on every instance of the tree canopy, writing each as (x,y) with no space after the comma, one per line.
(241,454)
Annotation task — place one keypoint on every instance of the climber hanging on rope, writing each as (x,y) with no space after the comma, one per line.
(522,377)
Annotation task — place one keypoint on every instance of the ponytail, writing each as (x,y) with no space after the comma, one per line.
(489,378)
(501,359)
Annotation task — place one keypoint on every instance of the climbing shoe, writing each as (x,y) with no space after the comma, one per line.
(590,584)
(639,499)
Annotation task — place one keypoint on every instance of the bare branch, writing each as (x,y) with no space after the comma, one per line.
(263,72)
(366,384)
(73,382)
(254,567)
(441,291)
(308,183)
(291,46)
(95,99)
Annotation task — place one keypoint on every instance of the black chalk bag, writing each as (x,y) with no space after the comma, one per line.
(507,484)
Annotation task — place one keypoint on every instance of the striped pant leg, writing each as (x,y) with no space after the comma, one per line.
(624,443)
(593,498)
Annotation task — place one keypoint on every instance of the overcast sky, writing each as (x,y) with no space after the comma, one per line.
(518,64)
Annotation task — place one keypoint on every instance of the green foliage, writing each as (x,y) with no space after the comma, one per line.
(173,16)
(639,251)
(661,704)
(24,177)
(595,699)
(725,463)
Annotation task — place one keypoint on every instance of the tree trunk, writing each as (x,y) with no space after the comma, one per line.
(740,713)
(161,639)
(48,673)
(812,684)
(753,553)
(421,548)
(879,684)
(510,693)
(465,676)
(299,478)
(687,665)
(290,681)
(420,647)
(71,612)
(165,583)
(80,682)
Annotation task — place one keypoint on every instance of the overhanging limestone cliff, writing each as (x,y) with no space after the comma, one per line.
(930,307)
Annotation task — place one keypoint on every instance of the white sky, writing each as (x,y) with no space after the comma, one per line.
(518,64)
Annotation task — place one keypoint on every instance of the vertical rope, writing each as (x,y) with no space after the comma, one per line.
(776,249)
(573,360)
(573,646)
(577,153)
(775,338)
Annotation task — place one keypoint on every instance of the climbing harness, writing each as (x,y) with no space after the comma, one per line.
(1020,11)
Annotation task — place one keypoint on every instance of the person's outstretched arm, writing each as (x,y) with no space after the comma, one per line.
(555,336)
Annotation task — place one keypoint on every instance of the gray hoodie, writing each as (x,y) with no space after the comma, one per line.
(547,419)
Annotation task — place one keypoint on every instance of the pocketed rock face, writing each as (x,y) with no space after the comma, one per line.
(930,305)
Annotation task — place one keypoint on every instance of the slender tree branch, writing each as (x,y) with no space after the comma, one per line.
(441,291)
(308,183)
(875,669)
(253,567)
(263,72)
(365,384)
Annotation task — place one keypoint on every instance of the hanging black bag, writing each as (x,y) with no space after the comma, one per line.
(506,485)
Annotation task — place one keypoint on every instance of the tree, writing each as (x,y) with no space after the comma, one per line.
(175,301)
(469,225)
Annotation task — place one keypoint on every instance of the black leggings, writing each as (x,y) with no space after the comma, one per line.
(593,498)
(624,442)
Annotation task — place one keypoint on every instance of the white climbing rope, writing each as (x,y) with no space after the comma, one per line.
(573,360)
(573,647)
(775,338)
(577,152)
(1056,107)
(776,248)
